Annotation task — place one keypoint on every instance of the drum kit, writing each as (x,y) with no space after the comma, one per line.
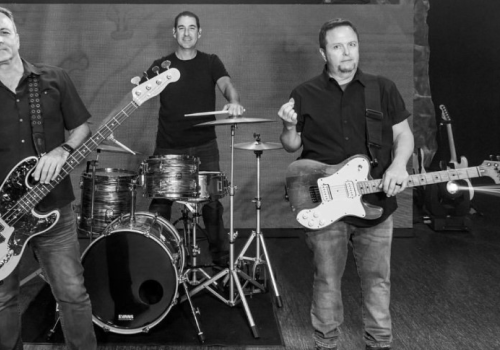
(136,261)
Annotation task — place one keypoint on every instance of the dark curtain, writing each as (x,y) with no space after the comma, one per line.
(464,72)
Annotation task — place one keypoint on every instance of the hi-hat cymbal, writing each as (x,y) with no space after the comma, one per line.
(258,146)
(114,149)
(235,120)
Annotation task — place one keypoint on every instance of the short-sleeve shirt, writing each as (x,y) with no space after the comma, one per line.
(61,108)
(194,92)
(332,123)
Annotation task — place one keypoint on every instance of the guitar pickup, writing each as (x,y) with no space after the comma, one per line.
(326,194)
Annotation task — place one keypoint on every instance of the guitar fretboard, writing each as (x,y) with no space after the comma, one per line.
(372,186)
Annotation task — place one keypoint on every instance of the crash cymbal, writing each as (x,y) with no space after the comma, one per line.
(235,120)
(113,149)
(258,146)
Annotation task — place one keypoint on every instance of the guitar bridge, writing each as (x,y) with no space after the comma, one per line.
(314,194)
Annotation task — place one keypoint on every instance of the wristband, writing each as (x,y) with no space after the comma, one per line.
(67,148)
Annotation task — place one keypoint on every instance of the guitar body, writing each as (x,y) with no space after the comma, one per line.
(322,194)
(16,226)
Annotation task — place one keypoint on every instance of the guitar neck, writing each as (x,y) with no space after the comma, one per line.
(39,191)
(451,143)
(372,186)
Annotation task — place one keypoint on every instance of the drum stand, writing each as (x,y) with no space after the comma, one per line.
(191,225)
(257,260)
(232,271)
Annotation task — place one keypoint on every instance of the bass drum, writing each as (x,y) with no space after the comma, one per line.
(132,273)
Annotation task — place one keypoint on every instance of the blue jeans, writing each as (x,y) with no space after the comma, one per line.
(58,253)
(372,253)
(212,211)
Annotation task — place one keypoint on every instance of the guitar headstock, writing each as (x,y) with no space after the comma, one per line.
(491,168)
(444,114)
(152,87)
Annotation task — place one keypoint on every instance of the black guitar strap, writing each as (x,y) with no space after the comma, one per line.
(36,115)
(374,118)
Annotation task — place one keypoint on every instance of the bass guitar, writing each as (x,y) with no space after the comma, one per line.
(19,221)
(322,194)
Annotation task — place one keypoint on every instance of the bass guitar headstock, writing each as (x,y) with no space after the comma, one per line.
(153,86)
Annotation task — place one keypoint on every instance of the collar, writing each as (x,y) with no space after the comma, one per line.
(358,76)
(30,69)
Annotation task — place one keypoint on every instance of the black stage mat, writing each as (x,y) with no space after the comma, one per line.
(221,324)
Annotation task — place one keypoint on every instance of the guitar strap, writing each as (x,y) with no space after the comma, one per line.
(36,115)
(374,117)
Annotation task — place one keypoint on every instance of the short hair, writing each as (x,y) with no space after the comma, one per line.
(9,15)
(331,24)
(186,14)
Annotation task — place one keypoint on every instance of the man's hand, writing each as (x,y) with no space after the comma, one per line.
(395,179)
(288,114)
(234,109)
(50,165)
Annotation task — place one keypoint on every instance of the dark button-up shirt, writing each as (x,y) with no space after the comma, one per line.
(61,109)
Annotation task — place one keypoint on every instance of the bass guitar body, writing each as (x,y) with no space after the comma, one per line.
(17,224)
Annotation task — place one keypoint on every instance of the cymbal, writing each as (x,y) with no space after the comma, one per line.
(113,149)
(258,146)
(235,120)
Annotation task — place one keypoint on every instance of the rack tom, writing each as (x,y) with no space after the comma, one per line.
(112,197)
(171,176)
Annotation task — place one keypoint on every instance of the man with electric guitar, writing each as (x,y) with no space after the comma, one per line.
(38,103)
(347,116)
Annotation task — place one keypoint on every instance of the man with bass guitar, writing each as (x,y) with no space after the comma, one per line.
(38,103)
(341,113)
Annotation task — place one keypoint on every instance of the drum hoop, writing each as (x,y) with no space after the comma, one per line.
(106,171)
(171,156)
(211,172)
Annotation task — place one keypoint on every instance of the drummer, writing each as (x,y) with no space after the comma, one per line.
(194,92)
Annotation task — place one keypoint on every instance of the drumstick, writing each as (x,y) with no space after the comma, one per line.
(205,113)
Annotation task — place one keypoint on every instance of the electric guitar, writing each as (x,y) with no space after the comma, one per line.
(454,163)
(19,221)
(322,194)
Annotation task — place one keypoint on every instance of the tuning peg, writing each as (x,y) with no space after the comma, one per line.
(156,70)
(166,64)
(135,80)
(145,75)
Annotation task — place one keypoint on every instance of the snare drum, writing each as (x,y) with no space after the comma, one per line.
(132,272)
(212,185)
(171,176)
(112,197)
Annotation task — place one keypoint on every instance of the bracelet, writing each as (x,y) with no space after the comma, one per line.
(67,148)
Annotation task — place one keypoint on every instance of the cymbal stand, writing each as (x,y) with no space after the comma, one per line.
(257,234)
(232,271)
(190,226)
(90,220)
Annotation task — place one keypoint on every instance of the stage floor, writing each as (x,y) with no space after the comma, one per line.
(444,290)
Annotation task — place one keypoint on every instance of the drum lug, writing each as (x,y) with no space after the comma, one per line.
(146,329)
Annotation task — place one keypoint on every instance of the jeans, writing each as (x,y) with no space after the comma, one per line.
(212,211)
(372,253)
(58,254)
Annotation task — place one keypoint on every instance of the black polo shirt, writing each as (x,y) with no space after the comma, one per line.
(62,109)
(332,123)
